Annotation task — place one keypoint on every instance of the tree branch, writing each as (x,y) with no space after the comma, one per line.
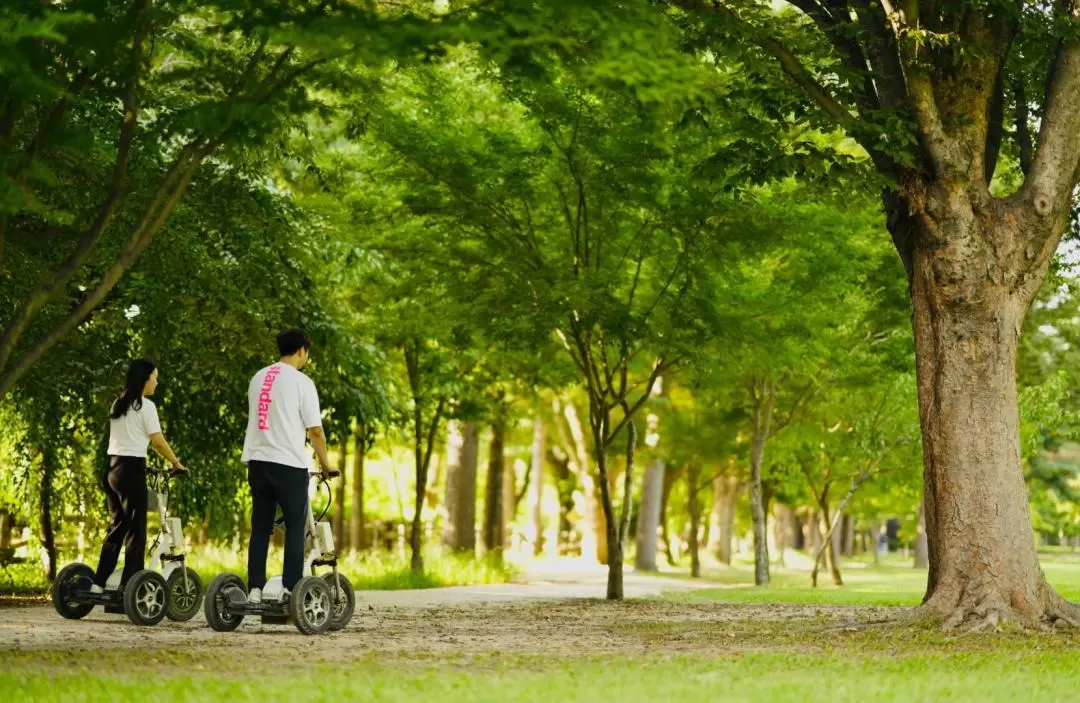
(1023,125)
(140,238)
(45,292)
(1053,174)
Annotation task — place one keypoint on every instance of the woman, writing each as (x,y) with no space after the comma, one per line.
(133,425)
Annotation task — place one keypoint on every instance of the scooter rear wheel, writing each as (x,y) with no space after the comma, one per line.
(217,596)
(71,579)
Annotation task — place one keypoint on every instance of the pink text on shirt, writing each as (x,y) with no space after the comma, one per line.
(264,397)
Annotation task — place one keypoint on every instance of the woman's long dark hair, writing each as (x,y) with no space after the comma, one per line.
(138,374)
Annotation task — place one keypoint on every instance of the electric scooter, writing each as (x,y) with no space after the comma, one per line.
(317,604)
(167,588)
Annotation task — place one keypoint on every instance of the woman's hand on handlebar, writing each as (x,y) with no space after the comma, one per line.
(178,468)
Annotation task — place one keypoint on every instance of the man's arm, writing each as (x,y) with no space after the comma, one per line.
(318,441)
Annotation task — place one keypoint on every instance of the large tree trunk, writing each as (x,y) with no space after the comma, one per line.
(357,536)
(726,491)
(652,492)
(494,514)
(539,451)
(459,530)
(967,320)
(922,556)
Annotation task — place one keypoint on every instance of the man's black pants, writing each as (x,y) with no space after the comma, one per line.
(273,485)
(125,487)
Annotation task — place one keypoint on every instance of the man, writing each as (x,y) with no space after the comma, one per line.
(283,407)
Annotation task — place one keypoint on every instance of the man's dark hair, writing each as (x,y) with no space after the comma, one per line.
(291,341)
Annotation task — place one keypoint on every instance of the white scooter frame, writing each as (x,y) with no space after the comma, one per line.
(316,604)
(166,588)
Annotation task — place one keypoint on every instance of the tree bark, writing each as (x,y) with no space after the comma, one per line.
(968,313)
(45,513)
(847,544)
(593,531)
(764,398)
(693,478)
(539,452)
(423,447)
(652,490)
(665,534)
(922,556)
(459,530)
(357,536)
(494,518)
(726,491)
(337,522)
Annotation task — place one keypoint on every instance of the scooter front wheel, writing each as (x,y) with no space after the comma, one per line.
(146,598)
(311,605)
(185,594)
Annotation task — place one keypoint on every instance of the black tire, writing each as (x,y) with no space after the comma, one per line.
(217,594)
(344,601)
(310,605)
(146,598)
(71,579)
(184,599)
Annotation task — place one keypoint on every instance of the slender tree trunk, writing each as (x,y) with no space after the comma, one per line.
(652,490)
(459,530)
(665,534)
(847,543)
(693,478)
(922,557)
(423,447)
(764,397)
(725,495)
(494,519)
(357,536)
(338,522)
(539,451)
(45,513)
(593,530)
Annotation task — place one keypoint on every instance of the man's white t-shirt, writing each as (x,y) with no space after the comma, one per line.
(282,405)
(129,434)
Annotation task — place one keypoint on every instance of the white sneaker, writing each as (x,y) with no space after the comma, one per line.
(255,597)
(96,589)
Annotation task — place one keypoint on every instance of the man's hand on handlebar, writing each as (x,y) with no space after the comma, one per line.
(329,472)
(178,469)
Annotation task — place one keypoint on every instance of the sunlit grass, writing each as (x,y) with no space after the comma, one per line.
(646,678)
(893,582)
(369,571)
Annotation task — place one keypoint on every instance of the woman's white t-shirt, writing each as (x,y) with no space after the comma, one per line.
(129,434)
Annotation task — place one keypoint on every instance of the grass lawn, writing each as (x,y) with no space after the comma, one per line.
(760,676)
(891,583)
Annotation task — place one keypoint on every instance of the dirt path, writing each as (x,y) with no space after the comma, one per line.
(562,615)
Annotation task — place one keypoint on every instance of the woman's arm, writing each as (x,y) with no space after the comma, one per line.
(162,446)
